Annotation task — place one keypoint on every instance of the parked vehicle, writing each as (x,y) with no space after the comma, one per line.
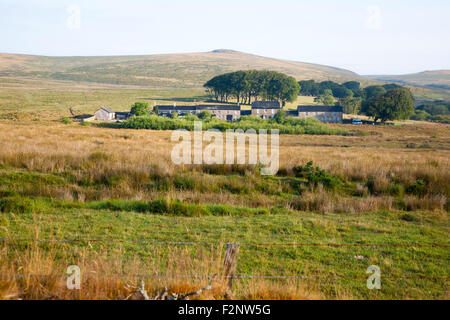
(357,121)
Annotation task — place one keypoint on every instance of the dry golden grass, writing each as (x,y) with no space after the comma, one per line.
(39,274)
(383,155)
(54,153)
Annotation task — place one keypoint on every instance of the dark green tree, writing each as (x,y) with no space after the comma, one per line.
(309,88)
(280,117)
(396,104)
(326,98)
(352,85)
(391,86)
(373,91)
(140,109)
(342,92)
(205,115)
(351,105)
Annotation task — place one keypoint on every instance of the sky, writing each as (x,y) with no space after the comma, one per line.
(365,36)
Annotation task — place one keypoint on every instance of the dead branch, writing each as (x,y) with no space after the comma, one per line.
(140,290)
(164,295)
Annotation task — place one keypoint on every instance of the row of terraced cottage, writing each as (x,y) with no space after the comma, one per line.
(262,109)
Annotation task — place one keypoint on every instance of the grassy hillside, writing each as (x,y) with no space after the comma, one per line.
(189,70)
(168,71)
(439,79)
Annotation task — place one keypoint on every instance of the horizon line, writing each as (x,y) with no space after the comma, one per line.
(218,51)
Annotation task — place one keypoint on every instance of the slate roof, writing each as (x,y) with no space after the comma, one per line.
(266,105)
(172,108)
(107,110)
(320,109)
(199,107)
(218,107)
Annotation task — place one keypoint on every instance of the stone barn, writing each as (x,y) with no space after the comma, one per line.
(327,114)
(104,114)
(265,109)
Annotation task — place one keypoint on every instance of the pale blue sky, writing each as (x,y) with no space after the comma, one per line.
(368,37)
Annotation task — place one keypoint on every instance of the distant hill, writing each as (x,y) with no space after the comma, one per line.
(190,70)
(431,79)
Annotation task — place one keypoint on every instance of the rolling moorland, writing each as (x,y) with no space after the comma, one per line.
(376,198)
(432,79)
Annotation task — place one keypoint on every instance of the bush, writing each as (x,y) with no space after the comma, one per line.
(316,176)
(16,205)
(120,205)
(290,125)
(419,188)
(158,206)
(184,183)
(140,109)
(66,120)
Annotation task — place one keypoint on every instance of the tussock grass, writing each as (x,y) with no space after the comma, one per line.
(69,181)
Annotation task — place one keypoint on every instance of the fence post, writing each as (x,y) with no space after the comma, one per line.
(230,263)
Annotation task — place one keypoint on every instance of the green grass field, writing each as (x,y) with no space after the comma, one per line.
(338,270)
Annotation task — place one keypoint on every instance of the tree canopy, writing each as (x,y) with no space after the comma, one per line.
(253,84)
(395,104)
(374,91)
(339,91)
(326,98)
(140,109)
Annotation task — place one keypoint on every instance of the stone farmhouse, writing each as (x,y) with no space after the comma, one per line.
(107,115)
(262,109)
(265,109)
(327,114)
(222,112)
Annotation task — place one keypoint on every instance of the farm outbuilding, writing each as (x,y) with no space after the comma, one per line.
(327,114)
(104,114)
(265,109)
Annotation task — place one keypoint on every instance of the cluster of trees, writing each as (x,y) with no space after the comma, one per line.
(438,111)
(315,89)
(349,94)
(140,109)
(394,104)
(382,102)
(253,84)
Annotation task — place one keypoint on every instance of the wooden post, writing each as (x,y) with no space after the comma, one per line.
(230,263)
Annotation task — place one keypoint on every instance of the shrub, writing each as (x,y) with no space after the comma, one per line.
(120,205)
(140,109)
(8,193)
(289,126)
(66,120)
(316,176)
(184,183)
(158,206)
(408,217)
(16,205)
(160,185)
(419,188)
